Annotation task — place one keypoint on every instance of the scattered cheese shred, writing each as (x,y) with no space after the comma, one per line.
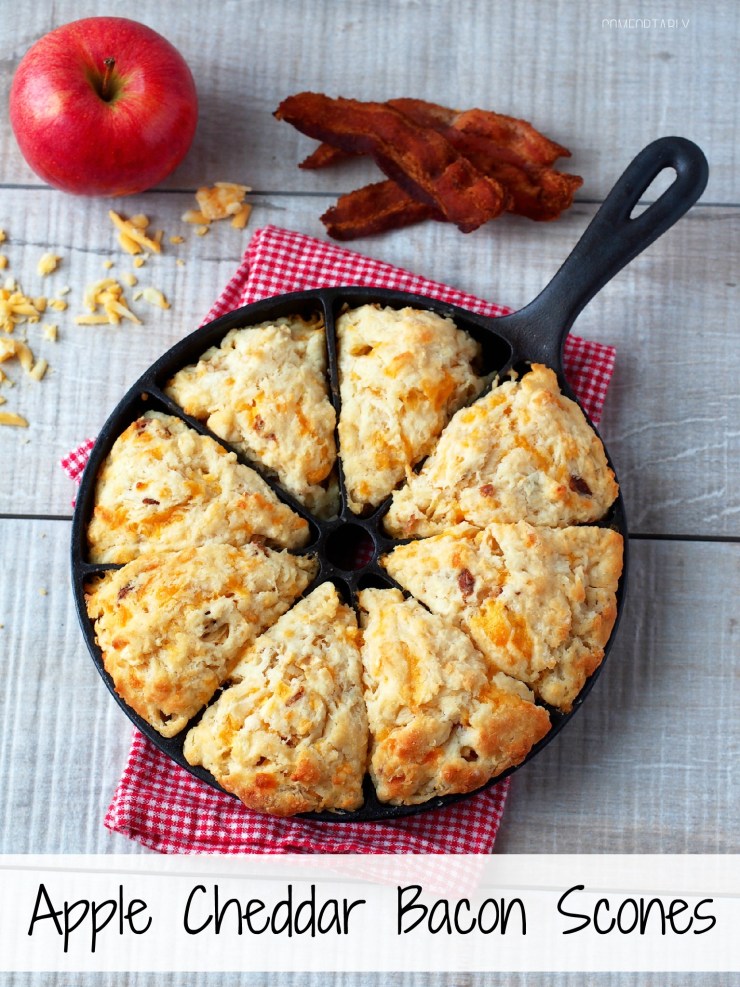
(48,263)
(3,236)
(3,262)
(15,307)
(51,331)
(38,370)
(107,305)
(224,200)
(177,239)
(10,418)
(108,264)
(2,399)
(241,217)
(139,261)
(132,237)
(155,297)
(58,304)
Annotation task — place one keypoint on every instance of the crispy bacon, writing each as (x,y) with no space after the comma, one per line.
(421,161)
(508,150)
(373,209)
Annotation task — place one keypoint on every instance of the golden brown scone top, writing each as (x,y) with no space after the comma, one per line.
(521,452)
(264,390)
(402,375)
(172,625)
(163,486)
(290,735)
(439,722)
(539,603)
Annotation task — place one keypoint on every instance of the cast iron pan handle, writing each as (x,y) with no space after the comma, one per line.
(610,242)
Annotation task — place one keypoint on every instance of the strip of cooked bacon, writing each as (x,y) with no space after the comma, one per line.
(508,149)
(502,131)
(420,160)
(373,209)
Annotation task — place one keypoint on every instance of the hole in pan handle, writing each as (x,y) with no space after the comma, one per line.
(609,243)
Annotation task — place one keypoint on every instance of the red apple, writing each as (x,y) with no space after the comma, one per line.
(103,106)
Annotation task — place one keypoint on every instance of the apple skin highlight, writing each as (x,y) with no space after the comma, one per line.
(80,142)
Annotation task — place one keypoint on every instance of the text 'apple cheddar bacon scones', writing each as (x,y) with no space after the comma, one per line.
(172,625)
(164,487)
(440,721)
(290,734)
(264,390)
(402,375)
(540,603)
(522,452)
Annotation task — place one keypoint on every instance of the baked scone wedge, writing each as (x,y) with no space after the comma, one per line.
(172,625)
(290,734)
(440,723)
(402,375)
(539,603)
(265,391)
(521,452)
(164,487)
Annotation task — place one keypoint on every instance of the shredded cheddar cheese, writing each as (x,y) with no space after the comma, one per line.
(224,200)
(48,263)
(107,305)
(132,236)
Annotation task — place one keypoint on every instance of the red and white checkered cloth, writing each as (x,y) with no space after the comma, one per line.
(167,809)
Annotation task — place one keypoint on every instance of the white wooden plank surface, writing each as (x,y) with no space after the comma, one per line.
(646,765)
(591,87)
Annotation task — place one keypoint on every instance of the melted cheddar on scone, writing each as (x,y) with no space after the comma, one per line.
(172,625)
(402,375)
(521,452)
(539,603)
(290,734)
(440,723)
(264,390)
(165,487)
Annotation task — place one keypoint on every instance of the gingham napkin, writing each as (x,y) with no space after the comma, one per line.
(160,804)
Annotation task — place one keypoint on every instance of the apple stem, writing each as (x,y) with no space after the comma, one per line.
(109,66)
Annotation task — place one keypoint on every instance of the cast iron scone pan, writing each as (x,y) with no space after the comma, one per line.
(534,334)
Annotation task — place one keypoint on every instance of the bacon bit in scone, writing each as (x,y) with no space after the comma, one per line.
(149,500)
(10,418)
(506,151)
(107,305)
(579,485)
(132,236)
(487,490)
(466,582)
